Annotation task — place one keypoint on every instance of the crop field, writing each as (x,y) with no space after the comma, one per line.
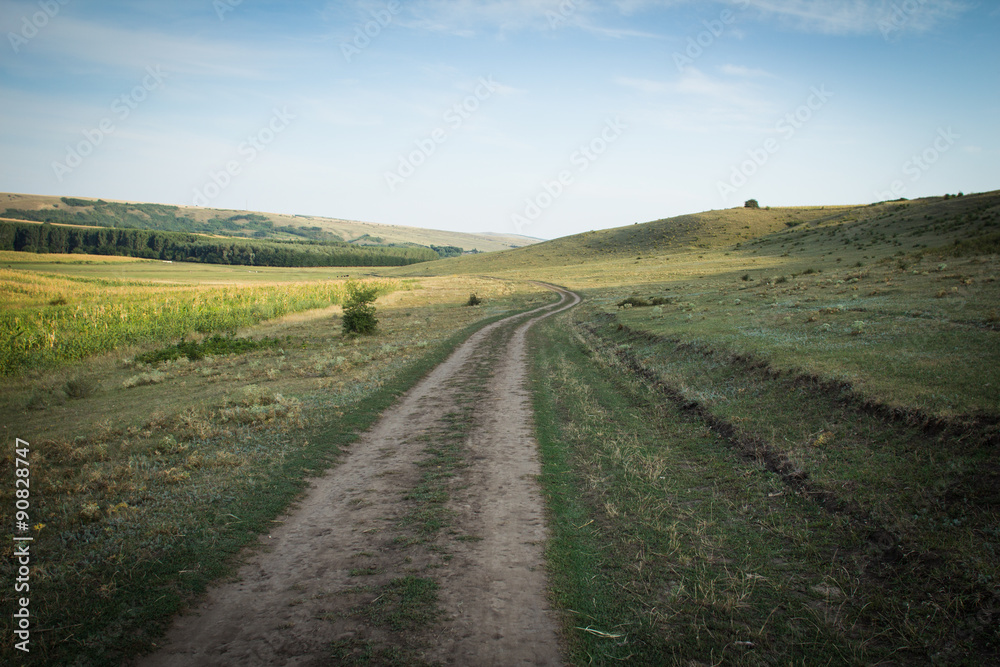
(51,318)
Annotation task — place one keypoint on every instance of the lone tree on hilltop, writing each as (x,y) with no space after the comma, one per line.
(751,203)
(359,311)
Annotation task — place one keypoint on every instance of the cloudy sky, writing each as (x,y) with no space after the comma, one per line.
(543,117)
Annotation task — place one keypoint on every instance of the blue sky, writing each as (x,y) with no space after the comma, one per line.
(545,117)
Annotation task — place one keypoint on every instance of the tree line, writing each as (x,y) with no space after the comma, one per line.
(182,247)
(163,217)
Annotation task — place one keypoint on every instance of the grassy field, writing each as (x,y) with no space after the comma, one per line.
(900,300)
(709,510)
(777,450)
(148,479)
(768,436)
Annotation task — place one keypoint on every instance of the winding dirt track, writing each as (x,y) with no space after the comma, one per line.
(290,601)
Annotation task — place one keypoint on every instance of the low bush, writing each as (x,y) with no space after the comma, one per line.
(80,387)
(214,346)
(634,302)
(359,311)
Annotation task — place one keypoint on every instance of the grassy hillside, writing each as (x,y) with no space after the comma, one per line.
(672,236)
(229,222)
(900,299)
(770,436)
(735,239)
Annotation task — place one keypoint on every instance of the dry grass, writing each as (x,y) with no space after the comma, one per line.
(142,462)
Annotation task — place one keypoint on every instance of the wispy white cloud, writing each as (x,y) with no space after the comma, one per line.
(694,83)
(822,16)
(859,16)
(744,72)
(699,104)
(472,18)
(643,85)
(84,46)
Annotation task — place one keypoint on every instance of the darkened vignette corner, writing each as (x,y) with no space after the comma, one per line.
(235,237)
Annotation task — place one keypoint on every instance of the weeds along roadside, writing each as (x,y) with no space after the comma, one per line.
(138,519)
(880,537)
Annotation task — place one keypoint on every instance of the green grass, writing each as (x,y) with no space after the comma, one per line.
(887,333)
(668,547)
(873,296)
(360,653)
(699,503)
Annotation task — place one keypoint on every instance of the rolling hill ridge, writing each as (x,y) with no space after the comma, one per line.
(246,224)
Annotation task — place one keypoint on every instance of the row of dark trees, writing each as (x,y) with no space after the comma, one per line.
(181,247)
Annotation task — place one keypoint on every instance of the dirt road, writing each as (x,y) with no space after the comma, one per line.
(424,544)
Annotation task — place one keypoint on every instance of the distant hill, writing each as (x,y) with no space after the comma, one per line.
(888,228)
(227,222)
